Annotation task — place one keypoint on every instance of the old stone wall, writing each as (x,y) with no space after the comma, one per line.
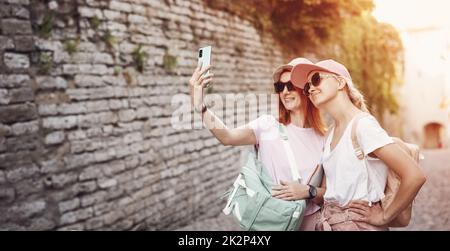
(86,140)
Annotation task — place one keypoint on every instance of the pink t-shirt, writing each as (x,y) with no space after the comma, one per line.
(306,144)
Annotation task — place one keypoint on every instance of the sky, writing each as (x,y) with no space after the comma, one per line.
(424,27)
(427,52)
(429,49)
(413,14)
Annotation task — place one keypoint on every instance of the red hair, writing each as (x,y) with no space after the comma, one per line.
(312,116)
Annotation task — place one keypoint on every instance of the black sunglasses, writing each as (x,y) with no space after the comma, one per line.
(279,86)
(316,79)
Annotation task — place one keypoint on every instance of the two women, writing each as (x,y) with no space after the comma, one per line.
(351,191)
(304,129)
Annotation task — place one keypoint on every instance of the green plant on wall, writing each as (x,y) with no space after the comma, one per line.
(108,39)
(45,63)
(169,62)
(117,70)
(45,28)
(94,22)
(71,46)
(139,58)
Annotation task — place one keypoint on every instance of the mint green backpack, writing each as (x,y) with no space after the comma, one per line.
(250,200)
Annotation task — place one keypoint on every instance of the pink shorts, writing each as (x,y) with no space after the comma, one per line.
(336,218)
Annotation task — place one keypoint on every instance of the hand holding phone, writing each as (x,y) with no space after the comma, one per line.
(204,57)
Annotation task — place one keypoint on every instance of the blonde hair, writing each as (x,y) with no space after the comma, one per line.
(357,98)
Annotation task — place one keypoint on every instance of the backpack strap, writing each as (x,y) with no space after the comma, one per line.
(289,153)
(256,149)
(356,146)
(238,182)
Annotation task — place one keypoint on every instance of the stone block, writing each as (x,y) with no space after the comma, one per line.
(57,123)
(12,26)
(24,43)
(16,60)
(18,113)
(44,83)
(54,138)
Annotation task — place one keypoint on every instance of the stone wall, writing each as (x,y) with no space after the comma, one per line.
(86,140)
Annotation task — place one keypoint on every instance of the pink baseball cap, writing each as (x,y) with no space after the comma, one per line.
(288,67)
(300,72)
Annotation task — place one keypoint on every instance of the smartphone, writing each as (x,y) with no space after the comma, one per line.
(204,56)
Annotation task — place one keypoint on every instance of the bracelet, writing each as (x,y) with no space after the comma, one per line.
(202,110)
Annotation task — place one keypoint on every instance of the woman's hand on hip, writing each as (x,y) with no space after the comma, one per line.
(373,215)
(291,190)
(197,82)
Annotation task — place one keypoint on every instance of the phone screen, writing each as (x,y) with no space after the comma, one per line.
(204,55)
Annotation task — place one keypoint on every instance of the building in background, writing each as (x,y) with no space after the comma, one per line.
(424,97)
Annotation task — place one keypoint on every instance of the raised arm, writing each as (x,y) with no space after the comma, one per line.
(226,136)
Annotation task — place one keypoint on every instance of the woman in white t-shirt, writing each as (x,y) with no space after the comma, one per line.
(353,192)
(304,129)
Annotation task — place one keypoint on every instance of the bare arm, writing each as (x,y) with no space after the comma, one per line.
(226,136)
(318,200)
(411,180)
(293,190)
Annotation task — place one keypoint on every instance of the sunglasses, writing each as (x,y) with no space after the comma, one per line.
(279,86)
(316,78)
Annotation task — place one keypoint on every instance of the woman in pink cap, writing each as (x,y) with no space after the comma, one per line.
(353,189)
(304,129)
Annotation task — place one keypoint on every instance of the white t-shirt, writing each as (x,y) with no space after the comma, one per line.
(306,145)
(346,177)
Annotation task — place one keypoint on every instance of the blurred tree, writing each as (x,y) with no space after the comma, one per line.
(343,30)
(296,23)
